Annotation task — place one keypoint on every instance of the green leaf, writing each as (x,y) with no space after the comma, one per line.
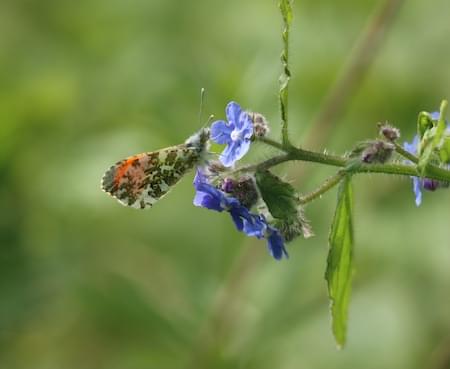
(340,261)
(426,148)
(433,139)
(280,197)
(424,123)
(444,153)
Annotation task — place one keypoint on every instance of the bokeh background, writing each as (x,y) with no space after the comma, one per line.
(86,283)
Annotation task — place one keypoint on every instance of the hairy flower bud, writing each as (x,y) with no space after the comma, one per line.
(377,152)
(430,184)
(388,132)
(260,125)
(243,189)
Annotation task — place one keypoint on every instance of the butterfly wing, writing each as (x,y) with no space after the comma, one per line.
(141,180)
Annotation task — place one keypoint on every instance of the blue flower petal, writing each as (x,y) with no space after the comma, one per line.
(417,190)
(242,149)
(227,156)
(254,226)
(207,196)
(245,122)
(412,147)
(221,132)
(237,219)
(234,151)
(251,224)
(275,245)
(435,115)
(233,111)
(210,197)
(247,131)
(199,178)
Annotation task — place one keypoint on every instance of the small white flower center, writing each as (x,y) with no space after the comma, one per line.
(235,135)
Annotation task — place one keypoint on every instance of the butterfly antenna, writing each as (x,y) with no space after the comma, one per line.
(210,118)
(200,111)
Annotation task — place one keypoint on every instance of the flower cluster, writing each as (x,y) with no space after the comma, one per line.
(254,225)
(423,183)
(236,196)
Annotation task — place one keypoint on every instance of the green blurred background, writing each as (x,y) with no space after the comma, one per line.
(86,283)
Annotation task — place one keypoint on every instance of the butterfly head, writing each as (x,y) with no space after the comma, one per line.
(199,140)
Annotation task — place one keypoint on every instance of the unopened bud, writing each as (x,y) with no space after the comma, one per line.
(260,125)
(377,152)
(243,189)
(430,184)
(388,132)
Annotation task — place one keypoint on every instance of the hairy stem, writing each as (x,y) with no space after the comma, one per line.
(286,13)
(324,187)
(405,153)
(294,153)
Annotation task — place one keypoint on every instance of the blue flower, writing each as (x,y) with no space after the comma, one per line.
(236,134)
(422,183)
(208,196)
(253,225)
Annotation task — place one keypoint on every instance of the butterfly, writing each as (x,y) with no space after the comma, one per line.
(141,180)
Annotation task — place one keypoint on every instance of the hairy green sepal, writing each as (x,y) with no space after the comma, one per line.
(280,197)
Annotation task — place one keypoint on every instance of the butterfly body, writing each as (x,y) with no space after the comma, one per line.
(141,180)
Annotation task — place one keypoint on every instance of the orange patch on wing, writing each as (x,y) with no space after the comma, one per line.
(123,168)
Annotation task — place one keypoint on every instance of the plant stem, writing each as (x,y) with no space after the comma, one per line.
(405,153)
(286,13)
(294,153)
(270,142)
(324,187)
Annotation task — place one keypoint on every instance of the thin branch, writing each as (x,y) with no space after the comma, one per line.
(324,187)
(405,153)
(294,153)
(286,13)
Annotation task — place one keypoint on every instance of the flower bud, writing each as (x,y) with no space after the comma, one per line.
(243,189)
(430,184)
(388,132)
(260,125)
(377,152)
